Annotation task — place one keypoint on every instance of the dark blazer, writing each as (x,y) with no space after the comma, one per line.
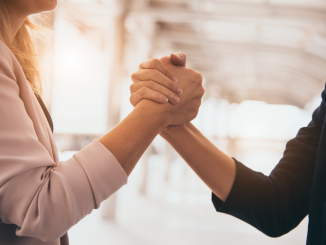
(277,203)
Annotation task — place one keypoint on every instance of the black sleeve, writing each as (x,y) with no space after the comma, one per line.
(277,203)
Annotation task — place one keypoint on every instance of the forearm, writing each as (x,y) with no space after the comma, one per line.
(213,166)
(130,138)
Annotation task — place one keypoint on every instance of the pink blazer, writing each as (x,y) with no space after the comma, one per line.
(39,196)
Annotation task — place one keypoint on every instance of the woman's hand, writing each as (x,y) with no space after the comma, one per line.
(155,82)
(191,83)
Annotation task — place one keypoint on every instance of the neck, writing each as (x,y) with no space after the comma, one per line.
(16,18)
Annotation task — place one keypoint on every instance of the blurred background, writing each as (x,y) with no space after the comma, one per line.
(264,68)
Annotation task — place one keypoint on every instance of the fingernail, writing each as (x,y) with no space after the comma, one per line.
(179,91)
(164,99)
(174,79)
(179,55)
(175,99)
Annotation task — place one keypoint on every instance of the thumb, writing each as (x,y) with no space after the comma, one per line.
(178,59)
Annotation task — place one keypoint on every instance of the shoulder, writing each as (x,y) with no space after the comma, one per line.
(321,111)
(312,133)
(323,96)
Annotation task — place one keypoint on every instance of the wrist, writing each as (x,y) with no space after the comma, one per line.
(156,111)
(172,130)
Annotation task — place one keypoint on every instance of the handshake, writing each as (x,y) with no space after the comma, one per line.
(167,96)
(168,80)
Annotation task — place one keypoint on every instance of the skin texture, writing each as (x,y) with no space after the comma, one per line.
(213,166)
(133,135)
(156,82)
(19,10)
(128,140)
(145,86)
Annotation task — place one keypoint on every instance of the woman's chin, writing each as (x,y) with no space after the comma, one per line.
(52,4)
(47,5)
(43,6)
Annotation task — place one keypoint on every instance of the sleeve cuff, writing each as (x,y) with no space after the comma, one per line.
(217,202)
(103,170)
(233,200)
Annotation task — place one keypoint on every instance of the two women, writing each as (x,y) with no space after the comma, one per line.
(41,198)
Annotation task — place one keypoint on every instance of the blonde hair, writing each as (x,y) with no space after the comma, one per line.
(22,46)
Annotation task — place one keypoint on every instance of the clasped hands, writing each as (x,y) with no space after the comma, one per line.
(167,81)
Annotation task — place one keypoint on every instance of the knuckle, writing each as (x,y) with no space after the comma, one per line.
(133,87)
(172,86)
(133,76)
(165,59)
(132,99)
(150,63)
(142,91)
(202,91)
(153,63)
(199,78)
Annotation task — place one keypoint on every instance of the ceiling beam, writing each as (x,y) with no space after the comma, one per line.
(225,10)
(222,52)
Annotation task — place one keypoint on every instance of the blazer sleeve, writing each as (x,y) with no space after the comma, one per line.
(43,198)
(277,203)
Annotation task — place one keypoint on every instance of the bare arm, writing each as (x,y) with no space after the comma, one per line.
(132,136)
(128,140)
(274,204)
(43,196)
(213,166)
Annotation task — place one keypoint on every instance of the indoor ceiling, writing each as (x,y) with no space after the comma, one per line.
(274,51)
(267,50)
